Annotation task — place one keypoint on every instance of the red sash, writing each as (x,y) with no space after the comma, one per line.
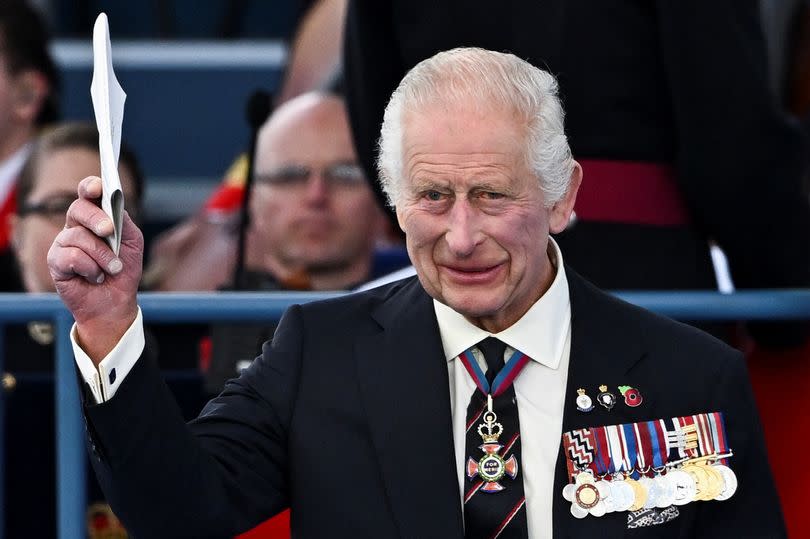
(9,207)
(630,192)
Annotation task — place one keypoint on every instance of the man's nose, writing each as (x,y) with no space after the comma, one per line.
(317,188)
(463,231)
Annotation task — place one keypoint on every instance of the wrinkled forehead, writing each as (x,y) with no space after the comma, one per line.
(456,133)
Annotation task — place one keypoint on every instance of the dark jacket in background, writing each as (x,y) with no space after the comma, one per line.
(683,83)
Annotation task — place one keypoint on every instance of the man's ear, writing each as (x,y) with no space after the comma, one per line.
(400,218)
(560,213)
(29,90)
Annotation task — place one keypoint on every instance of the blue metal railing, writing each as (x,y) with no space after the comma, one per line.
(231,306)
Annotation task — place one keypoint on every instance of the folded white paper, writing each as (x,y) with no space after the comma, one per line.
(108,106)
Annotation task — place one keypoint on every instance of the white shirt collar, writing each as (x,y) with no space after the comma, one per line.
(11,167)
(540,333)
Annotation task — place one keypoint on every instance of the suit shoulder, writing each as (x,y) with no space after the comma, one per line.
(358,303)
(657,332)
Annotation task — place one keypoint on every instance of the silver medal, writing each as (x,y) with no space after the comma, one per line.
(578,511)
(607,495)
(666,491)
(729,482)
(685,488)
(625,495)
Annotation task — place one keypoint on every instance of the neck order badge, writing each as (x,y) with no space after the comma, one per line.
(494,500)
(491,467)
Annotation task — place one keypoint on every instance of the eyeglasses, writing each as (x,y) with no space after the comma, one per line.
(337,175)
(54,208)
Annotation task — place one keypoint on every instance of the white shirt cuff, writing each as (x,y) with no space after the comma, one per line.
(112,370)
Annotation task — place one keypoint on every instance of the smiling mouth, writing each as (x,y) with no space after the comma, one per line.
(472,275)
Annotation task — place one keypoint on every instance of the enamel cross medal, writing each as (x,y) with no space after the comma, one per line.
(491,467)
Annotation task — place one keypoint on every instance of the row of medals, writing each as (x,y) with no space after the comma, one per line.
(691,481)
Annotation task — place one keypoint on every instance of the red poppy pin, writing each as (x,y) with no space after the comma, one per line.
(632,396)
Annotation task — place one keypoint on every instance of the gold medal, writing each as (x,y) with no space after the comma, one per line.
(698,474)
(715,483)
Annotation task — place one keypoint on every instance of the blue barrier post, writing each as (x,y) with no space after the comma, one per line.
(70,459)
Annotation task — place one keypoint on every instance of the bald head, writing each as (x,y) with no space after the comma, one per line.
(313,126)
(312,210)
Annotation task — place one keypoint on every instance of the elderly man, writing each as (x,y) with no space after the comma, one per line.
(435,406)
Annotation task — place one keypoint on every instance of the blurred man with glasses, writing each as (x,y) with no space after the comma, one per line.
(313,216)
(314,222)
(45,189)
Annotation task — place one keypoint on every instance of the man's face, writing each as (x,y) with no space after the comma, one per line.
(474,215)
(58,177)
(312,209)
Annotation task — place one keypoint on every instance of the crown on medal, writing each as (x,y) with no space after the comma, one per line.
(603,388)
(493,431)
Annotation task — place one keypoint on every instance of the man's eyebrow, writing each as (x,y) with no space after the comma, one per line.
(63,193)
(420,183)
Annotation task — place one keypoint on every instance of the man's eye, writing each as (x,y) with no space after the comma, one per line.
(492,195)
(434,196)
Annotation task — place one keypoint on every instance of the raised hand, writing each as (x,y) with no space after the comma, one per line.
(98,288)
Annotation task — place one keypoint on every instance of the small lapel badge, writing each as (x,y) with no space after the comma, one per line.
(584,402)
(632,396)
(606,398)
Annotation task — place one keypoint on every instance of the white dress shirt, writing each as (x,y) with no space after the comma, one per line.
(543,334)
(115,366)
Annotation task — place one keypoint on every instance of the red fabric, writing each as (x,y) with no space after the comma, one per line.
(205,353)
(629,192)
(277,527)
(781,382)
(9,207)
(227,198)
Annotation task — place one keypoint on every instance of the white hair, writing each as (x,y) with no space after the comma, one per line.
(470,77)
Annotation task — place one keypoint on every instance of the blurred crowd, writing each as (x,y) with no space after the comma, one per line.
(690,119)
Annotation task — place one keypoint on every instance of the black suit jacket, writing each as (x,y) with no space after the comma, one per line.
(345,418)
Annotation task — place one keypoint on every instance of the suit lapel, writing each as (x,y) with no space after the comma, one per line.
(602,352)
(404,386)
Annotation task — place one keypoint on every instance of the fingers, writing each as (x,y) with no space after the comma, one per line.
(76,251)
(84,213)
(90,188)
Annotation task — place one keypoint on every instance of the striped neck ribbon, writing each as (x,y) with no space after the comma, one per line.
(504,378)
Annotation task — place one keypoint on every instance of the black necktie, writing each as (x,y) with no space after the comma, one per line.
(490,512)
